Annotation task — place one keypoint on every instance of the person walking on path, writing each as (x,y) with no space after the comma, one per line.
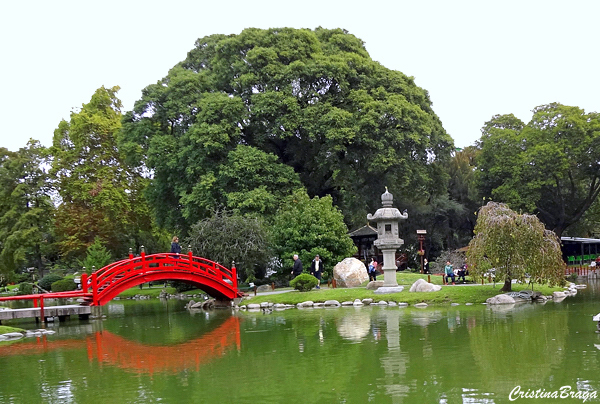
(316,269)
(449,270)
(297,268)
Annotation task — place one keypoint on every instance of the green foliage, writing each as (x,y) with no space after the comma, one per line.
(460,220)
(515,245)
(26,209)
(304,282)
(549,166)
(25,288)
(226,237)
(308,227)
(182,286)
(97,256)
(64,285)
(47,281)
(100,195)
(5,329)
(272,106)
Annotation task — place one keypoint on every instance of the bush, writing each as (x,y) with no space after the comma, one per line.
(47,281)
(64,285)
(183,286)
(25,289)
(304,282)
(20,278)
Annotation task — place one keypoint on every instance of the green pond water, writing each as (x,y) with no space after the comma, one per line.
(157,352)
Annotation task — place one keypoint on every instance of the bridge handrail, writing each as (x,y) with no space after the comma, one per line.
(49,295)
(142,265)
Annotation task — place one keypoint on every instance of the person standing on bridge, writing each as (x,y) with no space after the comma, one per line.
(175,247)
(297,268)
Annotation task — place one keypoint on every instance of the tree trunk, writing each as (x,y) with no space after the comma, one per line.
(507,286)
(39,262)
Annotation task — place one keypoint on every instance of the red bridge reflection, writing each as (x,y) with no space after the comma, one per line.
(108,348)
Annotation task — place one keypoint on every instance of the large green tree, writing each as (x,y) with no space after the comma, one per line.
(462,189)
(550,166)
(514,245)
(26,209)
(99,195)
(310,226)
(312,100)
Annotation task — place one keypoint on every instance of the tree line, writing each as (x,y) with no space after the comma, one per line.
(284,139)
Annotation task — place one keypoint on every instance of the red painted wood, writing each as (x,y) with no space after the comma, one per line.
(106,283)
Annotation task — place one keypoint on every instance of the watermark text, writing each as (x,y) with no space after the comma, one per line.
(563,392)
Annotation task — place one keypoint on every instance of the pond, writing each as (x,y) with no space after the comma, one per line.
(156,351)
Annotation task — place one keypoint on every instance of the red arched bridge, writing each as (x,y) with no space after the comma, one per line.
(104,284)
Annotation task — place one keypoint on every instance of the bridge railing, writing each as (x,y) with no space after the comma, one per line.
(140,266)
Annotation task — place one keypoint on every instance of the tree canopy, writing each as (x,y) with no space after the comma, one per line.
(514,246)
(310,226)
(309,100)
(550,166)
(99,195)
(226,237)
(26,209)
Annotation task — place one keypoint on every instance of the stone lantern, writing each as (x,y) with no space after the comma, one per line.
(388,241)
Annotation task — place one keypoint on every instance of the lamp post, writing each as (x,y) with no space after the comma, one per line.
(421,237)
(388,242)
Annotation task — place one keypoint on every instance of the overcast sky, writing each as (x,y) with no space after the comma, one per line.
(475,58)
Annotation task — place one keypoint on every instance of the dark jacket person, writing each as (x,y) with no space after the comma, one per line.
(297,269)
(175,247)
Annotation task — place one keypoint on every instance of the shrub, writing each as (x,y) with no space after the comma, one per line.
(47,281)
(64,285)
(25,289)
(183,286)
(20,278)
(304,282)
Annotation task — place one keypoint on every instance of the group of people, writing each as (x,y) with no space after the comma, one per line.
(451,273)
(316,268)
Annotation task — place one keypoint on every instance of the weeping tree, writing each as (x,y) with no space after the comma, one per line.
(225,237)
(515,246)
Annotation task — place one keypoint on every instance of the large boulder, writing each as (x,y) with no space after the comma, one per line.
(501,299)
(421,285)
(264,288)
(350,273)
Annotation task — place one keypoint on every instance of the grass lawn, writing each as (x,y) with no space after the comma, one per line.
(5,329)
(448,294)
(468,293)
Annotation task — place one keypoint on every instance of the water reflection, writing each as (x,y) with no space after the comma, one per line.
(462,354)
(355,325)
(112,349)
(105,347)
